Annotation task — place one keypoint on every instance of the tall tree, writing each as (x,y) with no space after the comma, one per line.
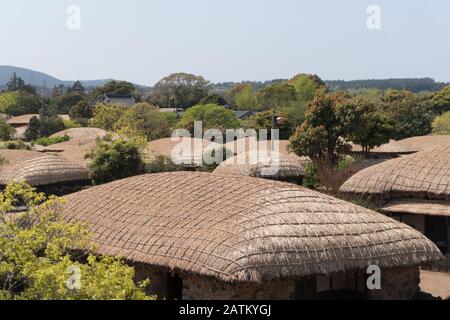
(276,96)
(306,86)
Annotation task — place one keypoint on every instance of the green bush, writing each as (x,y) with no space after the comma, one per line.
(17,145)
(48,141)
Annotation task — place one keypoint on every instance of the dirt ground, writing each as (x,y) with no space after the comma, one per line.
(435,283)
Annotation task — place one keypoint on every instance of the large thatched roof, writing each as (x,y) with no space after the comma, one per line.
(82,133)
(184,151)
(418,206)
(249,144)
(240,228)
(410,145)
(39,169)
(271,165)
(421,175)
(21,120)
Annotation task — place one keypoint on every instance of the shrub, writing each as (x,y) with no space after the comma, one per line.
(17,145)
(46,141)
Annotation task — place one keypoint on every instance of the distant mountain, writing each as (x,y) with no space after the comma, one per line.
(40,79)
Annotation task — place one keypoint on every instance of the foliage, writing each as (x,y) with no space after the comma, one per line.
(276,96)
(19,102)
(212,117)
(144,120)
(320,136)
(263,120)
(244,97)
(179,90)
(45,125)
(159,164)
(16,83)
(441,124)
(106,116)
(17,145)
(116,88)
(37,260)
(47,141)
(306,86)
(63,103)
(113,160)
(6,131)
(214,99)
(441,101)
(81,112)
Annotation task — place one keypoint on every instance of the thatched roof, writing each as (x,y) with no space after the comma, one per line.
(271,165)
(252,144)
(410,145)
(182,150)
(418,206)
(82,133)
(39,169)
(240,228)
(421,175)
(21,120)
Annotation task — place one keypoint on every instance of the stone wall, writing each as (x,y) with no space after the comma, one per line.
(397,284)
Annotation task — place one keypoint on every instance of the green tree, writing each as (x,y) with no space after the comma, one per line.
(364,124)
(65,102)
(179,90)
(6,131)
(276,96)
(113,160)
(19,102)
(320,136)
(212,117)
(106,116)
(45,125)
(214,99)
(306,86)
(81,112)
(37,255)
(441,101)
(16,83)
(263,120)
(441,124)
(245,98)
(116,88)
(144,120)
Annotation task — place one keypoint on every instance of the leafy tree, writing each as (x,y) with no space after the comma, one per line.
(263,120)
(48,141)
(441,124)
(214,99)
(441,101)
(19,102)
(181,90)
(244,97)
(6,131)
(144,120)
(364,124)
(16,83)
(116,88)
(64,102)
(113,160)
(212,117)
(411,114)
(45,125)
(277,96)
(77,88)
(306,86)
(106,116)
(81,112)
(37,255)
(320,136)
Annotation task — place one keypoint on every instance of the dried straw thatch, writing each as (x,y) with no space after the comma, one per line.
(21,120)
(240,228)
(249,144)
(410,145)
(421,175)
(419,207)
(82,133)
(39,169)
(184,151)
(271,165)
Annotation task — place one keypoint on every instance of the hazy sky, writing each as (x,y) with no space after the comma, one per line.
(227,40)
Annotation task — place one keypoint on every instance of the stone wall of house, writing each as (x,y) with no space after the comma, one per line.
(203,288)
(397,284)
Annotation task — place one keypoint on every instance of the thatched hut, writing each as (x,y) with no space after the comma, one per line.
(46,172)
(207,236)
(414,188)
(187,152)
(269,165)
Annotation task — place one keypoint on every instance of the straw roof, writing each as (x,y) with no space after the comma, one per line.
(272,165)
(410,145)
(421,175)
(182,151)
(38,169)
(418,206)
(252,143)
(21,120)
(240,228)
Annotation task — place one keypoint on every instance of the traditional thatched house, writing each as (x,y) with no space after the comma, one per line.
(269,165)
(207,236)
(48,173)
(414,188)
(187,152)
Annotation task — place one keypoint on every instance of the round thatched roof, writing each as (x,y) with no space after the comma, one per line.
(421,175)
(21,120)
(266,165)
(248,144)
(240,228)
(82,133)
(181,151)
(410,145)
(39,169)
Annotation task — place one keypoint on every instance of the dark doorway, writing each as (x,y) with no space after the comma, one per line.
(174,287)
(436,230)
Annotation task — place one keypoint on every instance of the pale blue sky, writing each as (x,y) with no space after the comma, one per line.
(227,40)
